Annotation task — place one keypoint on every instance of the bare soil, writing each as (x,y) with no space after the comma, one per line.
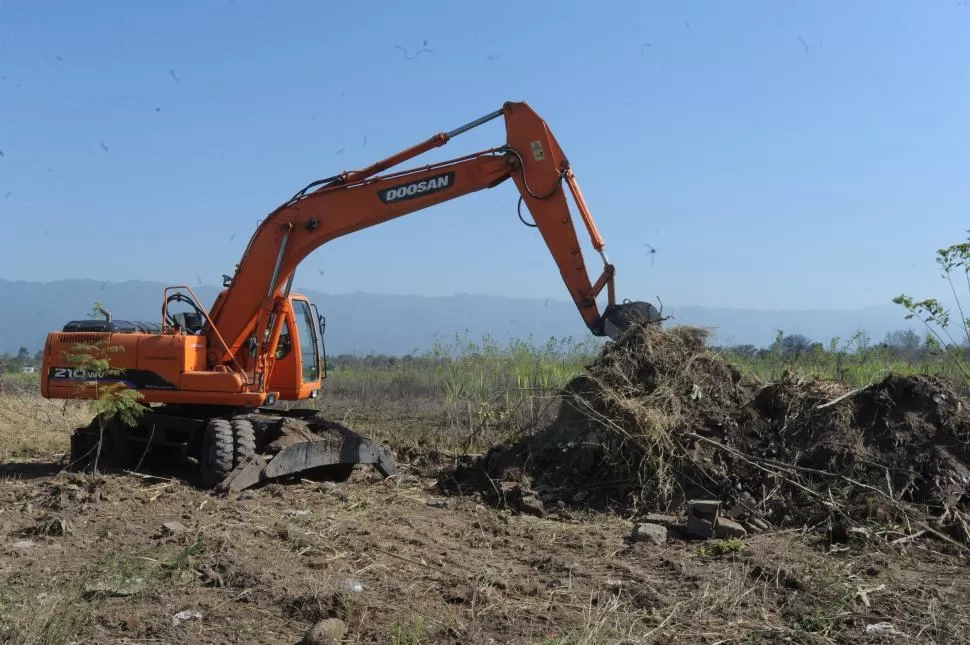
(89,558)
(852,501)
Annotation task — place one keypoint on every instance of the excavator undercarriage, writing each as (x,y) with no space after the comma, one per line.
(234,450)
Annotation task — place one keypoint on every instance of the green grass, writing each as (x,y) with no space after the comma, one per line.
(489,374)
(854,369)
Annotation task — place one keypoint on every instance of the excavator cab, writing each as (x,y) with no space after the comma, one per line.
(299,359)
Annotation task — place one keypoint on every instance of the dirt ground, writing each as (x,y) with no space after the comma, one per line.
(89,559)
(853,503)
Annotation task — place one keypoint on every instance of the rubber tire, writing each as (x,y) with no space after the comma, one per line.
(215,458)
(244,435)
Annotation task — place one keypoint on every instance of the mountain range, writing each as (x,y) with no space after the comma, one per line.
(367,323)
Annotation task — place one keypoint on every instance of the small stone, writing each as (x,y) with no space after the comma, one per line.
(701,517)
(23,544)
(174,527)
(326,632)
(532,505)
(663,520)
(580,497)
(247,494)
(726,528)
(647,532)
(437,503)
(354,586)
(182,616)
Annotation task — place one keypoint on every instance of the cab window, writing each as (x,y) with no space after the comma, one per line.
(309,342)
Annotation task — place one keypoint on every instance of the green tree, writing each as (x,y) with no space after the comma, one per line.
(953,260)
(113,399)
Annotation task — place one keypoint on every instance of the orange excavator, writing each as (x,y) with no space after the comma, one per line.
(212,379)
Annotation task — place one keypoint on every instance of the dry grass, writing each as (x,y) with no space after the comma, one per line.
(35,428)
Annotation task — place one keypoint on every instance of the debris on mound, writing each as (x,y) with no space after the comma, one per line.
(660,418)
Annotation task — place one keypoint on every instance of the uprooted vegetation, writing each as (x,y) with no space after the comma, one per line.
(659,418)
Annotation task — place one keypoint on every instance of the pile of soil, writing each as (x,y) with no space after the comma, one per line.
(660,418)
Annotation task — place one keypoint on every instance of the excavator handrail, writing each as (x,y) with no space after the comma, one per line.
(205,314)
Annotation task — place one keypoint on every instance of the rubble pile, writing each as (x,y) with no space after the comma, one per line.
(660,419)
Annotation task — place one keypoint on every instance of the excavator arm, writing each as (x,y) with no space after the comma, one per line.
(247,312)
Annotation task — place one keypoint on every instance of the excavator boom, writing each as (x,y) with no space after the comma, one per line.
(357,200)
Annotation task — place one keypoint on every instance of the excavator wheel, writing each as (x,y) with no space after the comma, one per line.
(218,448)
(244,437)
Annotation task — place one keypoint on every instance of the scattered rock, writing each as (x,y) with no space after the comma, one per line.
(670,521)
(701,517)
(174,527)
(647,532)
(437,503)
(354,586)
(296,513)
(23,544)
(726,528)
(182,616)
(326,632)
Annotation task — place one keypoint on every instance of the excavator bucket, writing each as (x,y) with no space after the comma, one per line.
(618,318)
(308,446)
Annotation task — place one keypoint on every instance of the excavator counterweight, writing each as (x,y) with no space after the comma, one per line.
(213,378)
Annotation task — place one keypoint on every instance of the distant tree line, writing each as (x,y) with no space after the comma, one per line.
(904,344)
(17,362)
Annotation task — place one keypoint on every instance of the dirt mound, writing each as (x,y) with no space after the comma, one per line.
(660,418)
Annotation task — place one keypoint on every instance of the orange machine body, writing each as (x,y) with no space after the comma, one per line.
(170,366)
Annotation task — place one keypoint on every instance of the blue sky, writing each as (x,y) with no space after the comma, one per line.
(785,154)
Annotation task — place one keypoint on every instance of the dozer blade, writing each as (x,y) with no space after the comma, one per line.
(305,445)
